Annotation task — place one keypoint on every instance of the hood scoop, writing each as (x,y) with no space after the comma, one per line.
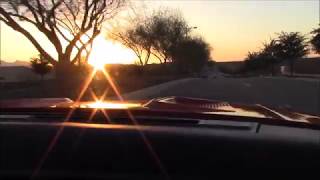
(188,104)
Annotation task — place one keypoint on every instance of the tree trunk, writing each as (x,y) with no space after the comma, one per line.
(291,67)
(64,69)
(146,60)
(66,78)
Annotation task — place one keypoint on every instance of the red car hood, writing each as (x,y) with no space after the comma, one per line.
(182,105)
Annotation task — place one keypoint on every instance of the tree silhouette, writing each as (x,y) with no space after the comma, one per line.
(254,61)
(291,47)
(191,54)
(269,53)
(40,66)
(60,21)
(286,47)
(166,28)
(131,38)
(315,40)
(153,35)
(267,56)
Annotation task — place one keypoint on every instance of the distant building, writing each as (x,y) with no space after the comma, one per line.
(19,74)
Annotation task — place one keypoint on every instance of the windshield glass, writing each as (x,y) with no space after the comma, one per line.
(158,89)
(236,52)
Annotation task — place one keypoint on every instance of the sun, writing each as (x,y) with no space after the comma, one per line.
(107,52)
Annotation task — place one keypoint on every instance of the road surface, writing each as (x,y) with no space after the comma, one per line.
(296,93)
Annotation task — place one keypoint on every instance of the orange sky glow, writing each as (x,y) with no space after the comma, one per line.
(232,28)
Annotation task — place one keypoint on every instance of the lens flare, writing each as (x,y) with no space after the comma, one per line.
(110,105)
(131,117)
(60,130)
(98,66)
(99,104)
(96,99)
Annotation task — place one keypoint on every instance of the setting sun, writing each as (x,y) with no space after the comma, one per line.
(107,52)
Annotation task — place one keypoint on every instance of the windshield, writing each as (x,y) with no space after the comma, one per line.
(122,89)
(244,52)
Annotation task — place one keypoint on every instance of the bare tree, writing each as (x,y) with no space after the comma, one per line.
(134,37)
(77,22)
(166,28)
(153,35)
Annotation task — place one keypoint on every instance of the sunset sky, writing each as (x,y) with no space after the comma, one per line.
(231,27)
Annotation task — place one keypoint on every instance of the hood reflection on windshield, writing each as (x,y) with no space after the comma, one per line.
(109,105)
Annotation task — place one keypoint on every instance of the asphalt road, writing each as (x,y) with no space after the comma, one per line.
(297,94)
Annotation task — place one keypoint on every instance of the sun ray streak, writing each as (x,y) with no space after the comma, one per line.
(60,130)
(105,114)
(104,94)
(91,116)
(149,146)
(81,133)
(93,113)
(95,98)
(131,117)
(112,84)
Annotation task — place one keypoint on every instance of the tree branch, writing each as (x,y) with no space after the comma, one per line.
(32,10)
(157,56)
(22,18)
(14,25)
(84,46)
(40,9)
